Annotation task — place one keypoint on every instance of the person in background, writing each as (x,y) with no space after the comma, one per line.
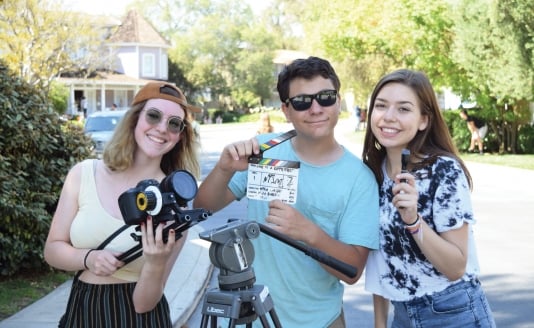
(336,209)
(478,129)
(427,263)
(357,113)
(114,106)
(83,106)
(265,124)
(151,141)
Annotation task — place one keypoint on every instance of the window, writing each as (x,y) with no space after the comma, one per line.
(164,67)
(149,65)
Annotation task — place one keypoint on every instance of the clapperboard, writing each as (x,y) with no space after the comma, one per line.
(270,178)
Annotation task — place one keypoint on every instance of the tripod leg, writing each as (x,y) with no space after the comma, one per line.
(264,321)
(204,321)
(275,319)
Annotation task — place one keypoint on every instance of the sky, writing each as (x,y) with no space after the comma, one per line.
(118,7)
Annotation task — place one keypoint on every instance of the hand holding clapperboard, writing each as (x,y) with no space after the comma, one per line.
(270,178)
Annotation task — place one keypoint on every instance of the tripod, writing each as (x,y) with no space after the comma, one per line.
(238,298)
(242,305)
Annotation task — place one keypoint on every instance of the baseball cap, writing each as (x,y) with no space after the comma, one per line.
(163,90)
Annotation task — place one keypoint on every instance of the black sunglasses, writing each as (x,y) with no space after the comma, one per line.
(304,102)
(175,124)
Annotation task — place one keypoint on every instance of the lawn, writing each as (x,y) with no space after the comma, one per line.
(25,288)
(511,160)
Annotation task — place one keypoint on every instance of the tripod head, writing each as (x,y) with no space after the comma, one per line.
(233,253)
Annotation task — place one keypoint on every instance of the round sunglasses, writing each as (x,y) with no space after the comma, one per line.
(175,124)
(304,102)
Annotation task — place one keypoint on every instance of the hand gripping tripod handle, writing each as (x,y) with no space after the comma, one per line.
(314,253)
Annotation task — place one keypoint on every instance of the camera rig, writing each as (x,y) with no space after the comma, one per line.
(165,202)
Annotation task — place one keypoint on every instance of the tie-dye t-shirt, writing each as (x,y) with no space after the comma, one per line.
(398,270)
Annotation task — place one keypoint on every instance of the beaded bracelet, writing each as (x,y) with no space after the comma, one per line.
(85,259)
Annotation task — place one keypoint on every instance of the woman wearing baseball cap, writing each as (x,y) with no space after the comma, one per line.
(153,139)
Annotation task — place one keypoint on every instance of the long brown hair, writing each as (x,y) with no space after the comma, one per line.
(119,152)
(428,144)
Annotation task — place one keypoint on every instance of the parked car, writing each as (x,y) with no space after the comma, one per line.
(100,127)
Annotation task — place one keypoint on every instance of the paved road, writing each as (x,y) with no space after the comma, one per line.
(503,200)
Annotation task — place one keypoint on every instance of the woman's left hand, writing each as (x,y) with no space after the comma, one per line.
(155,250)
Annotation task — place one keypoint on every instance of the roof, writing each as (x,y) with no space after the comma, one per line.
(104,78)
(136,29)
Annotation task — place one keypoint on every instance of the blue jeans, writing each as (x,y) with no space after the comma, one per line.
(463,304)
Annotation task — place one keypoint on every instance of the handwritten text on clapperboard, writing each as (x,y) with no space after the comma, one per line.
(268,182)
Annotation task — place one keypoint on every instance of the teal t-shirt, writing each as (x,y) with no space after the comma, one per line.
(341,198)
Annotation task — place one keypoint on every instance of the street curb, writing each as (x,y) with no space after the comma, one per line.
(185,288)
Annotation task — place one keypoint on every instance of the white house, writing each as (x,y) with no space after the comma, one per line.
(140,55)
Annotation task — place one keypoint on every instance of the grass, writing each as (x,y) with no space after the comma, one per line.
(511,160)
(20,291)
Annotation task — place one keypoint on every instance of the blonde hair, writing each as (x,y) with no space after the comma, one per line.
(119,151)
(265,124)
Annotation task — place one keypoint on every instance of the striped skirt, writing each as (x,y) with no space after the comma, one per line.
(110,306)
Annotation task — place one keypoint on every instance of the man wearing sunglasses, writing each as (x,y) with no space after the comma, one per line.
(336,210)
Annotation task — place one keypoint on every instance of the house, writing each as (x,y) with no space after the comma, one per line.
(139,55)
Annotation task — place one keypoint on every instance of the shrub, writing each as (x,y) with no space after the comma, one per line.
(462,137)
(58,96)
(37,151)
(526,139)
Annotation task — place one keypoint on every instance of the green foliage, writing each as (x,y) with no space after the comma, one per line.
(482,50)
(492,141)
(58,96)
(224,49)
(37,151)
(526,139)
(38,41)
(245,99)
(227,116)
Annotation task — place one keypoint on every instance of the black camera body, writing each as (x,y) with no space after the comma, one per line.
(165,201)
(160,200)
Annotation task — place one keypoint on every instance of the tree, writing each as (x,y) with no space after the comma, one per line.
(39,42)
(373,38)
(220,48)
(494,42)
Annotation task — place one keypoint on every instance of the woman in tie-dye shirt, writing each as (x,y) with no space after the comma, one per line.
(427,264)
